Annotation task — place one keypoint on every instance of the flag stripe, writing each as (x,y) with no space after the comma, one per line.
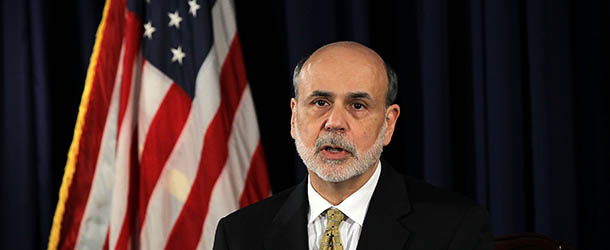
(121,202)
(96,216)
(178,175)
(152,95)
(126,151)
(175,182)
(224,27)
(85,146)
(132,45)
(169,195)
(257,183)
(187,230)
(129,218)
(228,189)
(105,247)
(163,133)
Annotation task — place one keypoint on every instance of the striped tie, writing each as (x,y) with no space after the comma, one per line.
(331,239)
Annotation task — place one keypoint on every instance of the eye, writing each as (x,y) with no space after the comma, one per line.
(320,103)
(358,106)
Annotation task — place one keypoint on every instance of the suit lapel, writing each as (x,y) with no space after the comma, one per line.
(384,225)
(289,227)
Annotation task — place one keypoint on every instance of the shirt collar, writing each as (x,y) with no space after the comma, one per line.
(352,206)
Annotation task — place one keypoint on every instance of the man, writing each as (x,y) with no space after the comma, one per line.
(342,116)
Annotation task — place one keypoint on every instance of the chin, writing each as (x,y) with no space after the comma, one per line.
(338,170)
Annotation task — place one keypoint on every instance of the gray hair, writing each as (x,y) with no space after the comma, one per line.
(391,74)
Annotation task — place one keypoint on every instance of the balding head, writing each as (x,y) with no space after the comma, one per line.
(344,55)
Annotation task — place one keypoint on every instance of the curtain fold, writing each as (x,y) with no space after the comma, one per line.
(26,179)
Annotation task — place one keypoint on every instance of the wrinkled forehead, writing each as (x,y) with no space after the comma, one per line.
(347,54)
(344,68)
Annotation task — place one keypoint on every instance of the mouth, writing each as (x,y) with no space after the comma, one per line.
(333,149)
(334,152)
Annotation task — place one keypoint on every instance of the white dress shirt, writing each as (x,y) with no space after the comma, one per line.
(354,208)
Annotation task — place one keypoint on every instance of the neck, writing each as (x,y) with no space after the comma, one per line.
(337,192)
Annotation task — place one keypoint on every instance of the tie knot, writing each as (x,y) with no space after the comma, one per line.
(335,215)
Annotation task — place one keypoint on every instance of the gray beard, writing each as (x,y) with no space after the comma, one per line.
(330,170)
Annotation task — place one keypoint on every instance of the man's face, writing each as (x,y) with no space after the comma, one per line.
(340,122)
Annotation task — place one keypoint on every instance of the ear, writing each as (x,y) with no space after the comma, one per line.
(293,108)
(392,113)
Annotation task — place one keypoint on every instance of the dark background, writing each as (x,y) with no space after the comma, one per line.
(506,102)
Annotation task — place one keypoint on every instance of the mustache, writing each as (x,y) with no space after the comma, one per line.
(335,141)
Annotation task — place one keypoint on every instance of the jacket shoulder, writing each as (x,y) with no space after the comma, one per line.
(261,212)
(246,227)
(449,218)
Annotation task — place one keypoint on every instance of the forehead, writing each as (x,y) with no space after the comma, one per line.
(344,70)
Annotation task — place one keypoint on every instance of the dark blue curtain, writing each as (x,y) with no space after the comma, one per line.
(506,102)
(26,178)
(45,50)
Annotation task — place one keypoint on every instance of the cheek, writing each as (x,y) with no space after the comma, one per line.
(367,135)
(306,131)
(362,138)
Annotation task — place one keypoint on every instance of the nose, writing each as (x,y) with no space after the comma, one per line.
(336,120)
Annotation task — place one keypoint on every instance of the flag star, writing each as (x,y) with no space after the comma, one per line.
(193,7)
(174,19)
(177,54)
(148,30)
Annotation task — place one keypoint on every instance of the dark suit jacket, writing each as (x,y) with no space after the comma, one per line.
(403,214)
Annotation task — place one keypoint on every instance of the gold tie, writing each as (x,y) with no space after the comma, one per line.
(331,239)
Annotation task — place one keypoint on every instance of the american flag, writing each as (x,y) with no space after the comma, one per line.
(166,142)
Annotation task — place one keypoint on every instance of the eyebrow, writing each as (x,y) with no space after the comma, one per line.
(320,93)
(352,95)
(359,95)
